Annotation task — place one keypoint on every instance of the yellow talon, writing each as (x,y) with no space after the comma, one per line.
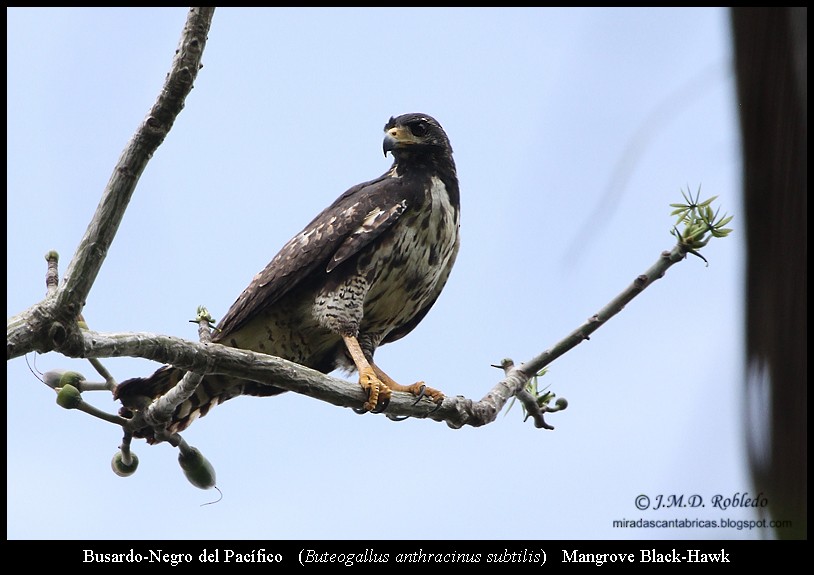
(380,386)
(376,390)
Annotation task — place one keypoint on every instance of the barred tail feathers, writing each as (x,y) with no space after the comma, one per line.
(138,392)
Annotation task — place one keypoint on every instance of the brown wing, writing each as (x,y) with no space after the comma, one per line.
(355,219)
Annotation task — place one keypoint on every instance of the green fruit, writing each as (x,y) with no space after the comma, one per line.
(69,397)
(71,378)
(197,468)
(120,468)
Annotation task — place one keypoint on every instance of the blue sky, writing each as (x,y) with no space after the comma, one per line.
(573,131)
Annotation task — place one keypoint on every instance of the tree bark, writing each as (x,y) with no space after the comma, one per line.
(771,66)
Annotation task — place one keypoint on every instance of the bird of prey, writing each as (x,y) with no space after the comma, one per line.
(363,273)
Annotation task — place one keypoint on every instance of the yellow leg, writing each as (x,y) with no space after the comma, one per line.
(377,383)
(415,389)
(376,389)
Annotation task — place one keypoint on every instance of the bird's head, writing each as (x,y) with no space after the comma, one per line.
(412,134)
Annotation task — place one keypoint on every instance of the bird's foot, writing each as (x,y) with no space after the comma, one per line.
(420,390)
(378,394)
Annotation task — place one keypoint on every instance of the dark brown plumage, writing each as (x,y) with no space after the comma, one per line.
(363,273)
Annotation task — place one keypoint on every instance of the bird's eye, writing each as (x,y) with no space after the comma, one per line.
(419,129)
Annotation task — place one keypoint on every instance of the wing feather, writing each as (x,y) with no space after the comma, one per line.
(342,229)
(375,222)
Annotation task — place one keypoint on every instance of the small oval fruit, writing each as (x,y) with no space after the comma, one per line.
(197,468)
(120,468)
(69,397)
(71,378)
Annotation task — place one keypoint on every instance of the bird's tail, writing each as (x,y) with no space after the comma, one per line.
(138,392)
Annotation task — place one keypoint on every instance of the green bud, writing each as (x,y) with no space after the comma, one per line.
(197,468)
(71,378)
(120,468)
(69,397)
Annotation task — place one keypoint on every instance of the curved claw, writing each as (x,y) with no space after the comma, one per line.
(420,395)
(437,407)
(381,406)
(359,410)
(398,417)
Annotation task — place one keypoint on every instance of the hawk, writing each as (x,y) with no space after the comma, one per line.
(363,273)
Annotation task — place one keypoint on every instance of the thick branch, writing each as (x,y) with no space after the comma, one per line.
(209,358)
(161,410)
(33,329)
(214,358)
(102,229)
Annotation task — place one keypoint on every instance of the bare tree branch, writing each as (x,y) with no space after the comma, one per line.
(201,359)
(48,324)
(161,410)
(55,323)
